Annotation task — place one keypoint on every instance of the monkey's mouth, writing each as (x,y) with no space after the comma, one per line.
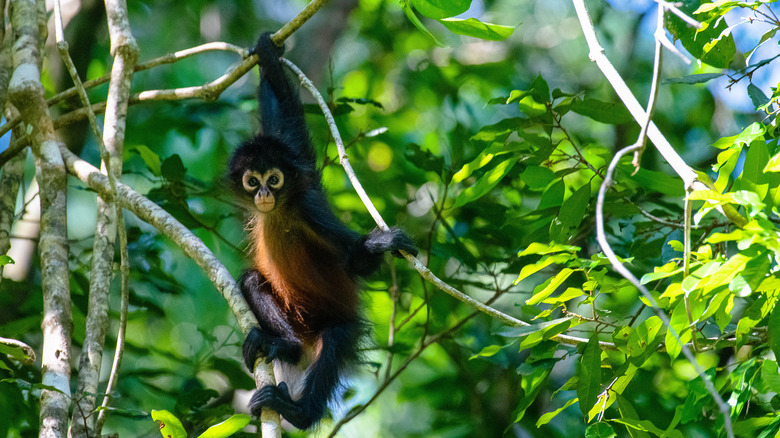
(264,204)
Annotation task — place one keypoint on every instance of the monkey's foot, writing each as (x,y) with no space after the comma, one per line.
(277,398)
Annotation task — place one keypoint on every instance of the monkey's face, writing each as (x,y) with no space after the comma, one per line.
(263,187)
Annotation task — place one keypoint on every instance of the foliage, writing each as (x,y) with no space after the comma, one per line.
(488,143)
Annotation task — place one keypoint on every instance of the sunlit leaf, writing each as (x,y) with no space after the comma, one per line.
(589,372)
(477,29)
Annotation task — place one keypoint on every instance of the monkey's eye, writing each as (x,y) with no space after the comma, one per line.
(253,182)
(273,180)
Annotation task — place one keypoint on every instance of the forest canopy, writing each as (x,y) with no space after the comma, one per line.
(593,188)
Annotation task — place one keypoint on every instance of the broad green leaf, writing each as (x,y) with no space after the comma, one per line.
(538,177)
(544,262)
(170,426)
(541,248)
(490,350)
(571,213)
(757,96)
(604,112)
(567,295)
(547,417)
(678,324)
(477,29)
(555,282)
(228,427)
(654,180)
(773,165)
(589,372)
(151,159)
(441,8)
(553,196)
(600,430)
(644,339)
(407,8)
(486,182)
(693,79)
(755,131)
(713,45)
(540,90)
(6,260)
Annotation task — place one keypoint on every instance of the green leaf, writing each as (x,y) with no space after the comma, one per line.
(713,45)
(644,340)
(486,182)
(553,196)
(571,213)
(477,29)
(757,96)
(600,430)
(151,159)
(490,350)
(531,384)
(170,426)
(6,260)
(172,169)
(406,7)
(228,427)
(546,418)
(555,282)
(604,112)
(589,372)
(541,248)
(538,177)
(441,8)
(693,79)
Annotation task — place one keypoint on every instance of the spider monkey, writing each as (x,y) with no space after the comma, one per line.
(303,285)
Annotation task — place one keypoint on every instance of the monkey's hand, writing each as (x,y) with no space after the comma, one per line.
(277,398)
(261,343)
(394,240)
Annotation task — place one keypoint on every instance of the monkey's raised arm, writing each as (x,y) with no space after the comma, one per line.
(281,111)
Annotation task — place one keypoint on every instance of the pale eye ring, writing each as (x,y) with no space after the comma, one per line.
(252,181)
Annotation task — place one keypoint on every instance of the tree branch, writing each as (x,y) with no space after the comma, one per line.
(27,94)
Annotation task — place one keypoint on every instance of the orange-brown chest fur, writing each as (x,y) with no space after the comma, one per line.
(306,272)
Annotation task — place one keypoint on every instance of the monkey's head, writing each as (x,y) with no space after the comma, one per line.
(266,173)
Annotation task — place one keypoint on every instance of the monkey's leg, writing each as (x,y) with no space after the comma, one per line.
(338,348)
(274,338)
